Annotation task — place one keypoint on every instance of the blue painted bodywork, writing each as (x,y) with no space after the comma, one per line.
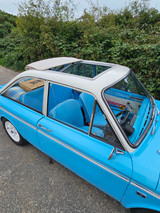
(120,177)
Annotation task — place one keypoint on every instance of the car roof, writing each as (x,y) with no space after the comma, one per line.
(92,85)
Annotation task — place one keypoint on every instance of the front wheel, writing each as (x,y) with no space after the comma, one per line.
(13,133)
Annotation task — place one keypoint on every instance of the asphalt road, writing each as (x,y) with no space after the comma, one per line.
(30,183)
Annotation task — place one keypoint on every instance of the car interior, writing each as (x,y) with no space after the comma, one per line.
(75,108)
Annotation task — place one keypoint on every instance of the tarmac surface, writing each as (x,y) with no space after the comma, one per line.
(31,183)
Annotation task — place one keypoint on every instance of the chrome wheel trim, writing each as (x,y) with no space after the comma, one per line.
(12,132)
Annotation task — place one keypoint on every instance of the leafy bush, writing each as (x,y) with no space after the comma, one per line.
(7,22)
(130,37)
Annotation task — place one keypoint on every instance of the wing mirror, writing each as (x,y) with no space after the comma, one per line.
(117,151)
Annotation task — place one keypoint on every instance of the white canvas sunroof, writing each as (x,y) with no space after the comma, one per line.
(47,64)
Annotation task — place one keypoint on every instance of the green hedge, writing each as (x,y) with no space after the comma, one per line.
(130,37)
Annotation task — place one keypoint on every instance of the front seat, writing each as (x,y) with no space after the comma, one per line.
(68,112)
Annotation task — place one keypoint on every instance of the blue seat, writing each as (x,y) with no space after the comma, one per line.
(87,102)
(68,112)
(14,92)
(33,99)
(58,94)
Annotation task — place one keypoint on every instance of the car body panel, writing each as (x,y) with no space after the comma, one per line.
(147,199)
(23,118)
(86,156)
(148,158)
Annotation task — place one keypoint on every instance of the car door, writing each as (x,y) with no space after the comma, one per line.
(89,155)
(23,109)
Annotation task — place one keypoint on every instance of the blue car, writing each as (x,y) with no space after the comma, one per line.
(96,119)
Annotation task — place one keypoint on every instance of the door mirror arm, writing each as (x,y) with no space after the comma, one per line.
(117,151)
(111,155)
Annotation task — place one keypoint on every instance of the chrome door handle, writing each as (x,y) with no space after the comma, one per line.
(49,130)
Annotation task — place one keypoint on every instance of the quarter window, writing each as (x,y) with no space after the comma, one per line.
(28,92)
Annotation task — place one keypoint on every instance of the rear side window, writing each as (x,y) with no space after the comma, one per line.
(28,92)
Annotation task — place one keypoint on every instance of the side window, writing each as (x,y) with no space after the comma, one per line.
(70,106)
(28,92)
(102,129)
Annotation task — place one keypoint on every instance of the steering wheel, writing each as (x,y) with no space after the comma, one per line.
(124,113)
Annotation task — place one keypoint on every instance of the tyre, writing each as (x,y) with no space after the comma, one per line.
(143,211)
(13,133)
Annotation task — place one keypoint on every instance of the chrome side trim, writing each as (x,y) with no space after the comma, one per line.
(145,190)
(84,156)
(28,124)
(69,147)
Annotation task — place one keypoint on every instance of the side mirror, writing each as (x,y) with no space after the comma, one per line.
(117,151)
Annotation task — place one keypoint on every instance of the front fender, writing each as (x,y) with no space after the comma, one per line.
(139,197)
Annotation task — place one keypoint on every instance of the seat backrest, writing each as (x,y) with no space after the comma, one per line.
(69,112)
(87,102)
(14,92)
(33,99)
(58,94)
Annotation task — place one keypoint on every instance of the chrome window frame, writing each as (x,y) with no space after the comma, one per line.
(96,102)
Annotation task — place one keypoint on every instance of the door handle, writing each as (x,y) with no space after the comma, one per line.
(49,130)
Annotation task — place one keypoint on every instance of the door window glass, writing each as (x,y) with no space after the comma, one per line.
(28,92)
(102,129)
(69,106)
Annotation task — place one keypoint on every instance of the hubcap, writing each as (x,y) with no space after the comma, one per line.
(11,130)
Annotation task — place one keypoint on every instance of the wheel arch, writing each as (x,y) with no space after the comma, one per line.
(149,207)
(142,210)
(2,118)
(11,119)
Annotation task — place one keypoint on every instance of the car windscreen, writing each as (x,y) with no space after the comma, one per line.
(131,105)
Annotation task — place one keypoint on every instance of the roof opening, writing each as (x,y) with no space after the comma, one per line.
(82,69)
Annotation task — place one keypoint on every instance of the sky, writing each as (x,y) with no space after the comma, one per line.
(11,6)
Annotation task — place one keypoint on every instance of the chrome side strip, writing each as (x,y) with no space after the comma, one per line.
(68,147)
(28,124)
(84,156)
(145,190)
